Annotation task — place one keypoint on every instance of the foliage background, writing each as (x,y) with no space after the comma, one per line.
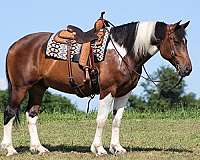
(159,98)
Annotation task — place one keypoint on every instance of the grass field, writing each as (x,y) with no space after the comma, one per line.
(69,137)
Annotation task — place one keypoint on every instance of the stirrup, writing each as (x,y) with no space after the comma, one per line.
(87,76)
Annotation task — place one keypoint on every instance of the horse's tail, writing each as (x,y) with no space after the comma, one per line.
(8,81)
(17,120)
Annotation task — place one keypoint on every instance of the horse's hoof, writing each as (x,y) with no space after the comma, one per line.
(11,150)
(12,153)
(3,146)
(99,151)
(117,149)
(39,149)
(93,149)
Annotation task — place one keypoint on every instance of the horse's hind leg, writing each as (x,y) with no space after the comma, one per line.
(11,112)
(35,97)
(118,109)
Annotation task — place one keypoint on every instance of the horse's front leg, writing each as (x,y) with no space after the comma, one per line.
(105,105)
(118,109)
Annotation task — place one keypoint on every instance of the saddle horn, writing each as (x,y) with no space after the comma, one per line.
(106,22)
(102,13)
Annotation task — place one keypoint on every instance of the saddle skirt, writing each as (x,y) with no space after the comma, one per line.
(58,51)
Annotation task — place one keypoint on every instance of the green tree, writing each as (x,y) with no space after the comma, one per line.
(190,101)
(164,95)
(164,89)
(136,103)
(55,103)
(3,99)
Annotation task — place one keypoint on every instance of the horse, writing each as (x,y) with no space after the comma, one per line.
(130,46)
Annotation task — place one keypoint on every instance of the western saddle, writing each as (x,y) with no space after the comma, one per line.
(85,38)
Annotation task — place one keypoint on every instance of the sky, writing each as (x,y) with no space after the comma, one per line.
(22,17)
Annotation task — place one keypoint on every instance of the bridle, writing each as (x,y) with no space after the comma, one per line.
(171,42)
(173,56)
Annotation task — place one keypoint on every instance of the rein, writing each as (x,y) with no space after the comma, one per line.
(108,23)
(149,78)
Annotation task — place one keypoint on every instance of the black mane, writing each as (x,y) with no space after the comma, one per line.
(124,35)
(160,30)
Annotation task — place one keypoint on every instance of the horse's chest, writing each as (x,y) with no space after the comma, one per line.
(126,86)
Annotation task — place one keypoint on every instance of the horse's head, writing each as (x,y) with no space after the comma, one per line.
(173,47)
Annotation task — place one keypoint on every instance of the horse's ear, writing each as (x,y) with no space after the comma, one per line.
(185,24)
(177,25)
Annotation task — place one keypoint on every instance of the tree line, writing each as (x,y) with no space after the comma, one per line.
(160,98)
(50,103)
(164,95)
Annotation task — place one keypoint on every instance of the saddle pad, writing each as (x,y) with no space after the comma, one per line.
(58,51)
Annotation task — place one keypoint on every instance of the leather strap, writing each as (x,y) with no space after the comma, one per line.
(70,74)
(91,57)
(69,62)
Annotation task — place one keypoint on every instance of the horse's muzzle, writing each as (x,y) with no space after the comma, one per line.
(185,70)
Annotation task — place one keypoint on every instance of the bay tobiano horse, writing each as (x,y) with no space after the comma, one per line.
(29,71)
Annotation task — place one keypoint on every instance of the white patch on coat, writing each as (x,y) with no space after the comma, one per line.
(120,49)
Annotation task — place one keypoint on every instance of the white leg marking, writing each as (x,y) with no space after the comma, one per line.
(119,104)
(35,144)
(7,138)
(105,106)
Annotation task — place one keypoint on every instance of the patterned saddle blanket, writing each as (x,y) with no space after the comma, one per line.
(58,51)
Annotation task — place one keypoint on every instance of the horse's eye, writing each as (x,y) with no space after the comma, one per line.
(176,42)
(184,41)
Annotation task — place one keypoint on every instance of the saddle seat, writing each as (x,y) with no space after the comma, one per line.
(75,33)
(84,38)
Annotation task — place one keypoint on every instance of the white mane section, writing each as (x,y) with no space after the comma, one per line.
(145,32)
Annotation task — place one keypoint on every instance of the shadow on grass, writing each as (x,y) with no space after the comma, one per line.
(141,149)
(86,149)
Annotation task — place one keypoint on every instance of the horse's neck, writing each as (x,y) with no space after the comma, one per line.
(135,63)
(135,39)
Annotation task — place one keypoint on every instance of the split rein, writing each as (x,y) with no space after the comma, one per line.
(148,78)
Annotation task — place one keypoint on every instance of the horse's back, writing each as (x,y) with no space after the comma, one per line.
(29,39)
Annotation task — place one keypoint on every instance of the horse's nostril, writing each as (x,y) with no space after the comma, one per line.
(188,69)
(185,71)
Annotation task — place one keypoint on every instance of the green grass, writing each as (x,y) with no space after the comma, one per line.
(145,136)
